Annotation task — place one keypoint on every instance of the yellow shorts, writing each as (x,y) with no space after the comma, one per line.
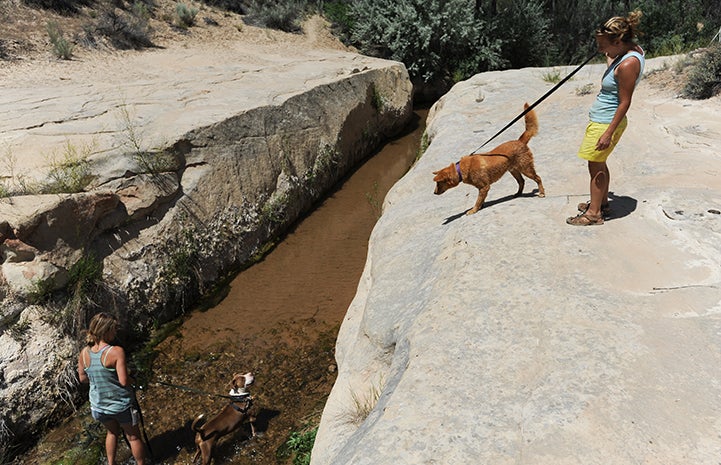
(594,131)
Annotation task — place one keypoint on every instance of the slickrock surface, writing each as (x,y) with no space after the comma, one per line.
(509,337)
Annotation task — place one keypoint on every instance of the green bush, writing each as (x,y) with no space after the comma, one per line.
(524,31)
(437,40)
(125,30)
(704,79)
(186,15)
(338,13)
(60,6)
(61,47)
(277,14)
(71,173)
(299,445)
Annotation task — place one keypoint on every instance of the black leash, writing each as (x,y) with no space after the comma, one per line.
(531,107)
(142,425)
(196,391)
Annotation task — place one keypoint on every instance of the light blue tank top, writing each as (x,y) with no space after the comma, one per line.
(107,395)
(606,103)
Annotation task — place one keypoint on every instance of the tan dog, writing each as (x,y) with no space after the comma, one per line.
(240,410)
(483,169)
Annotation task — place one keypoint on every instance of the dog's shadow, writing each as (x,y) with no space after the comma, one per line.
(491,203)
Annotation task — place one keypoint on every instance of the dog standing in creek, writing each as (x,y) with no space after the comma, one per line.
(239,411)
(483,169)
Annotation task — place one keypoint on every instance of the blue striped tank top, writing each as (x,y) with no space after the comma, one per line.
(107,395)
(606,103)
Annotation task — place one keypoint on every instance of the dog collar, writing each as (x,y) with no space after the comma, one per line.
(458,170)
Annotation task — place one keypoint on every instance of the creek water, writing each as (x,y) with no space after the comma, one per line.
(278,318)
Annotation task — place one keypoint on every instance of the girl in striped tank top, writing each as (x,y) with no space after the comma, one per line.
(111,398)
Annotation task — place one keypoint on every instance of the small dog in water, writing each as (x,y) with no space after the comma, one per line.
(483,169)
(240,410)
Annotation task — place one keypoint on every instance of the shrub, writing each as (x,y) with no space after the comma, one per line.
(299,445)
(704,79)
(525,32)
(275,14)
(61,47)
(124,30)
(71,173)
(186,15)
(338,13)
(435,39)
(60,6)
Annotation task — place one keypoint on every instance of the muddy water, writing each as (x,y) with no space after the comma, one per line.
(278,318)
(314,271)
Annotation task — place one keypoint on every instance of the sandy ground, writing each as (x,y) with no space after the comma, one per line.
(26,53)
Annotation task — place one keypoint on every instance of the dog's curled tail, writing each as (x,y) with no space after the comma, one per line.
(198,423)
(531,125)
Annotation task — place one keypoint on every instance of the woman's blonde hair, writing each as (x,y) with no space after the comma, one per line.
(101,327)
(625,29)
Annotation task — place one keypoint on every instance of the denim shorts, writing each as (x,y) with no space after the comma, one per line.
(127,416)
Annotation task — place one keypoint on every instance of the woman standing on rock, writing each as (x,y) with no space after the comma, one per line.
(111,396)
(616,39)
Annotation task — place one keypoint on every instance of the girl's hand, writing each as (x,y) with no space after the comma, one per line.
(603,142)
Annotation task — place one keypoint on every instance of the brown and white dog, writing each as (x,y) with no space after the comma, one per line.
(483,169)
(239,411)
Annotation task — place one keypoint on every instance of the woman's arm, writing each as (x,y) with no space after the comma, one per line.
(626,74)
(120,366)
(82,376)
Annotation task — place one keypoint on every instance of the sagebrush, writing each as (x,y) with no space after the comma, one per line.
(704,78)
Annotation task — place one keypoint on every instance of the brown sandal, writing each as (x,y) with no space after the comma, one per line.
(583,219)
(605,209)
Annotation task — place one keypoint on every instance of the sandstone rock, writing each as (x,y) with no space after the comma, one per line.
(204,156)
(510,337)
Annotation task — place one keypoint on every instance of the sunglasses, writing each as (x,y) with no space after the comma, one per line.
(603,29)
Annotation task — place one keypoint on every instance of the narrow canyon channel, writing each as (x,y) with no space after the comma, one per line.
(278,318)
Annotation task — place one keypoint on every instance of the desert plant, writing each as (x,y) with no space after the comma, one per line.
(124,30)
(61,47)
(374,200)
(71,173)
(338,14)
(284,16)
(14,183)
(60,6)
(40,291)
(436,39)
(363,404)
(524,31)
(377,99)
(552,76)
(299,445)
(185,15)
(423,146)
(19,331)
(585,89)
(704,78)
(150,162)
(274,209)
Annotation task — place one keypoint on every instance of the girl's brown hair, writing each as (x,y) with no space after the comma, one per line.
(102,326)
(625,29)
